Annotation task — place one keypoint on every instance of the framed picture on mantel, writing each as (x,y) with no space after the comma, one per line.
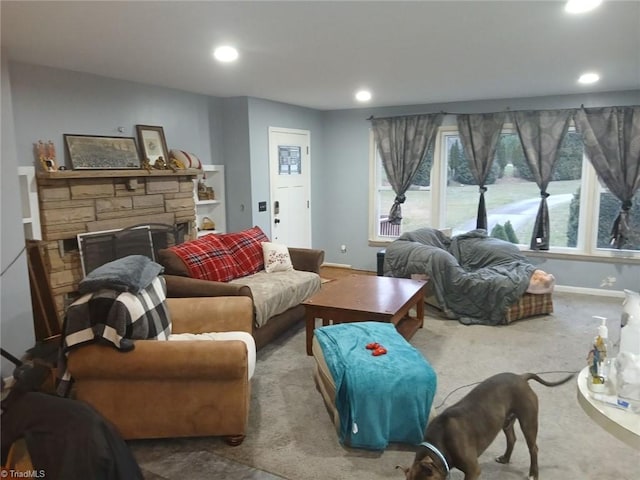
(99,152)
(152,143)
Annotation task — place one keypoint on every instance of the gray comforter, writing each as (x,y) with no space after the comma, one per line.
(475,278)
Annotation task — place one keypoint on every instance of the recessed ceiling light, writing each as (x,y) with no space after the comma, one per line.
(363,95)
(225,54)
(588,78)
(581,6)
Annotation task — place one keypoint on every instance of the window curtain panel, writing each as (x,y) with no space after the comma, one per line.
(611,137)
(403,143)
(479,135)
(541,133)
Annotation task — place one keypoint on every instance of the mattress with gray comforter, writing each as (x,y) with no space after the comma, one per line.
(475,278)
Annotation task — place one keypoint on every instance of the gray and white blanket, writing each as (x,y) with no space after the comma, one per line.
(114,318)
(475,278)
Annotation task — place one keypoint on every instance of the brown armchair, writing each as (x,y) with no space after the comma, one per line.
(174,389)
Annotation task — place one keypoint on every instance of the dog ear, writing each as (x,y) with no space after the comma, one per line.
(429,469)
(426,467)
(436,469)
(405,470)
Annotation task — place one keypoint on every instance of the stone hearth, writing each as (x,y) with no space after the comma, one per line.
(73,202)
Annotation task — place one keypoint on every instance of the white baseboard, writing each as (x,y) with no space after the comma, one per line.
(598,292)
(336,265)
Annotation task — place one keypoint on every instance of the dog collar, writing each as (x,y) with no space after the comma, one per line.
(439,455)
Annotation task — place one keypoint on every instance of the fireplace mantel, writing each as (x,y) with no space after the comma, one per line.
(71,174)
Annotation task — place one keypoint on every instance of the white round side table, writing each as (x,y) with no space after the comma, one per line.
(621,423)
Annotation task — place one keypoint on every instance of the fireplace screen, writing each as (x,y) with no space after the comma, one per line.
(98,248)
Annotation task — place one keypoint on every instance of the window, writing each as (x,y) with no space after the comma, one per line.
(608,207)
(580,222)
(415,210)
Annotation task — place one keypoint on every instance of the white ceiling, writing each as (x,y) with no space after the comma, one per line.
(318,53)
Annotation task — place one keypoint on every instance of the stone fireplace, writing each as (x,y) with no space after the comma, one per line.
(73,202)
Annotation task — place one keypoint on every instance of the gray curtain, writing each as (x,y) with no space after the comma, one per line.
(541,133)
(479,135)
(611,138)
(403,143)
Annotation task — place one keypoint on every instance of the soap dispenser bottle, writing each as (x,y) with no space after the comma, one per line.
(598,360)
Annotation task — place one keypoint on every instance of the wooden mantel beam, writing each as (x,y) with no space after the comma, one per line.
(72,174)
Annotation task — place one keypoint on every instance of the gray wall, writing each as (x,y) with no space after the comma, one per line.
(49,102)
(16,318)
(237,161)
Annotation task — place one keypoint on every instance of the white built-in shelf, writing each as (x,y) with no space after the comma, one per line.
(212,176)
(29,203)
(202,233)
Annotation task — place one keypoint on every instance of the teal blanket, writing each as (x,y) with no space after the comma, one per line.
(380,399)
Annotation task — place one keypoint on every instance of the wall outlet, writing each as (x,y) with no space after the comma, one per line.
(343,248)
(608,281)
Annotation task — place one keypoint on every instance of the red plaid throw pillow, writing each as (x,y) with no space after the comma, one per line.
(246,248)
(208,258)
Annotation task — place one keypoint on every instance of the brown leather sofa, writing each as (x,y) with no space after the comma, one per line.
(174,388)
(304,259)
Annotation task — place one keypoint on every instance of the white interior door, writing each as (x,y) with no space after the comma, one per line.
(289,169)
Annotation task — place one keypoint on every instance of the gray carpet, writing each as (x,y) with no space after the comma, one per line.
(291,435)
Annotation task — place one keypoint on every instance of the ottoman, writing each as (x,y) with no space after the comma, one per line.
(373,400)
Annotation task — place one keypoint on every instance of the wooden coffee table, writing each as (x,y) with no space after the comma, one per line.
(359,298)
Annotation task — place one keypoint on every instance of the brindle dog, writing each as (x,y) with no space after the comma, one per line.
(458,436)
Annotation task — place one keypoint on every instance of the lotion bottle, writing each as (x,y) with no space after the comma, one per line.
(598,360)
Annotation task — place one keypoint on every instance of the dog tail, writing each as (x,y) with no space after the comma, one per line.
(533,376)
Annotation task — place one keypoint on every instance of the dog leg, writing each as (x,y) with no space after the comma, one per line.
(511,439)
(533,453)
(472,472)
(529,425)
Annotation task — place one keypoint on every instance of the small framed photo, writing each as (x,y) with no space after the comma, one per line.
(88,152)
(152,143)
(46,155)
(49,164)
